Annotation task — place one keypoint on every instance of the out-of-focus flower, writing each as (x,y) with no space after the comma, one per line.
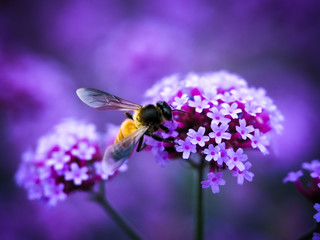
(293,176)
(313,167)
(317,215)
(312,189)
(220,118)
(140,51)
(65,160)
(79,25)
(34,95)
(316,236)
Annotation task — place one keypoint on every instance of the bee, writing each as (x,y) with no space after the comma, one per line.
(145,121)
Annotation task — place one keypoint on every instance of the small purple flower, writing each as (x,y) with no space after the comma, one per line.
(214,180)
(236,159)
(223,154)
(198,137)
(180,101)
(162,158)
(212,153)
(186,147)
(293,176)
(84,151)
(231,110)
(245,174)
(54,193)
(35,191)
(217,153)
(315,173)
(58,159)
(76,174)
(244,130)
(227,97)
(317,215)
(157,146)
(219,132)
(217,116)
(158,150)
(198,103)
(172,126)
(316,236)
(252,108)
(313,167)
(100,172)
(259,141)
(192,80)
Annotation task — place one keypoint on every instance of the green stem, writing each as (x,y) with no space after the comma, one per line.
(199,211)
(101,199)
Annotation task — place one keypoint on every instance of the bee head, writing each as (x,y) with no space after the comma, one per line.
(165,109)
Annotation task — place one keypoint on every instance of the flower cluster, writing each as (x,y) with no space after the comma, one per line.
(216,116)
(65,160)
(311,190)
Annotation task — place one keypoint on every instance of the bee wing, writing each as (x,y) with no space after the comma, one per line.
(116,154)
(105,101)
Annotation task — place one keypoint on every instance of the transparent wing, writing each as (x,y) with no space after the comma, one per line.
(116,154)
(105,101)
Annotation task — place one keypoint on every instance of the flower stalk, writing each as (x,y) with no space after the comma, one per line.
(101,199)
(199,224)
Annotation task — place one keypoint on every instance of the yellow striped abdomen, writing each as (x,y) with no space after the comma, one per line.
(127,127)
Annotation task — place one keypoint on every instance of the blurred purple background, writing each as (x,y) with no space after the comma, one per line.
(49,49)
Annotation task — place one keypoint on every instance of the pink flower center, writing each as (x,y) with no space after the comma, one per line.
(198,139)
(218,134)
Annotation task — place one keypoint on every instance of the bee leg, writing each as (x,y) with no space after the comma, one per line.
(128,115)
(165,129)
(158,138)
(141,145)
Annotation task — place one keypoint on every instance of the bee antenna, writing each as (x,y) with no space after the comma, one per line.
(177,110)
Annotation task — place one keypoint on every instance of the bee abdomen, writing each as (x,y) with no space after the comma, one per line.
(127,127)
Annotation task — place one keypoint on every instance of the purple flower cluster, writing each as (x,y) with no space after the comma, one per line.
(312,189)
(219,117)
(65,160)
(314,171)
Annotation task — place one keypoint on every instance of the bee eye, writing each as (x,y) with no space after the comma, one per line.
(165,109)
